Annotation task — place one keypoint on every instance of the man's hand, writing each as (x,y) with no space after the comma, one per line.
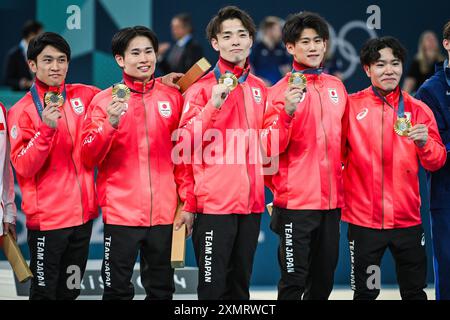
(419,134)
(171,79)
(114,110)
(186,218)
(219,94)
(51,114)
(10,228)
(292,97)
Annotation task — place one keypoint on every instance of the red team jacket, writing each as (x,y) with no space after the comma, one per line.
(232,187)
(381,168)
(57,190)
(309,145)
(137,180)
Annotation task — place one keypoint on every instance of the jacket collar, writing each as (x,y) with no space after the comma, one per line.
(299,67)
(392,97)
(43,87)
(225,66)
(138,85)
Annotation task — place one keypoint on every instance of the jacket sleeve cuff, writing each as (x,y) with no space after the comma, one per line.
(285,118)
(46,131)
(108,128)
(210,112)
(189,206)
(425,148)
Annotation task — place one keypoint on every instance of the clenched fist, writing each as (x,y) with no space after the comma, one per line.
(292,97)
(51,114)
(219,94)
(114,110)
(419,134)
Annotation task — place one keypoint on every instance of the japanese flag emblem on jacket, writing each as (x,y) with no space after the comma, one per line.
(257,94)
(77,105)
(333,95)
(164,108)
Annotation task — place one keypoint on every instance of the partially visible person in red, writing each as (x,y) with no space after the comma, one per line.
(58,196)
(138,185)
(8,211)
(307,187)
(388,133)
(227,183)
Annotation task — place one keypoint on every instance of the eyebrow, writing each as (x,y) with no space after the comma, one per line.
(230,32)
(139,49)
(307,38)
(53,57)
(385,61)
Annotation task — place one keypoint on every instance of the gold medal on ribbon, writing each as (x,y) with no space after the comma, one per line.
(229,80)
(297,79)
(402,126)
(121,91)
(53,97)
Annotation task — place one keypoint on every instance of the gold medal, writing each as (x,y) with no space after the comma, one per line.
(229,80)
(297,79)
(53,97)
(402,126)
(121,91)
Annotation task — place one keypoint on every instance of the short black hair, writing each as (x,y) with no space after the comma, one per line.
(296,23)
(38,43)
(446,31)
(31,27)
(228,13)
(370,51)
(123,37)
(186,20)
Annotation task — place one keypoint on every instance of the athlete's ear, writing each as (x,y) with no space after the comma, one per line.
(290,47)
(215,44)
(367,70)
(120,60)
(32,65)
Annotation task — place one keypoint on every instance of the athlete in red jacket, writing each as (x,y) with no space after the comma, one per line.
(57,190)
(227,184)
(308,184)
(8,210)
(130,140)
(388,133)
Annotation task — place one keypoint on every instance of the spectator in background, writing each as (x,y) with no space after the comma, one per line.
(269,58)
(185,52)
(17,73)
(331,65)
(422,67)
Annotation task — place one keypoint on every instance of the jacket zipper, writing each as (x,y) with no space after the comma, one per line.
(74,165)
(149,169)
(246,166)
(326,144)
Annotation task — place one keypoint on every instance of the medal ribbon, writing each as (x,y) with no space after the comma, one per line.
(135,91)
(316,71)
(37,101)
(217,74)
(401,103)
